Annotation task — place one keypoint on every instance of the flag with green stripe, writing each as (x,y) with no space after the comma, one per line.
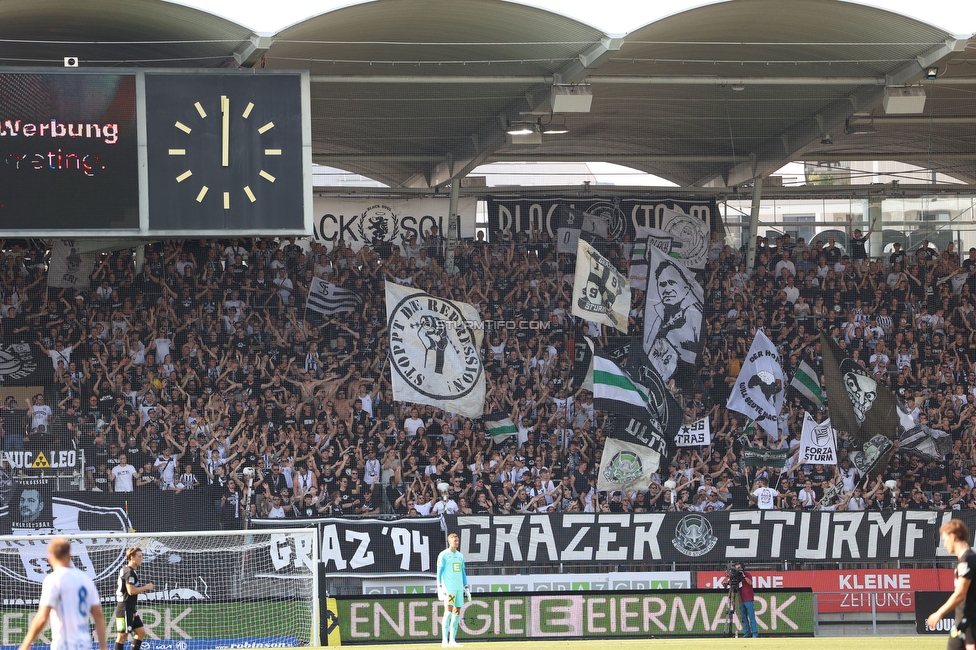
(807,382)
(616,393)
(500,425)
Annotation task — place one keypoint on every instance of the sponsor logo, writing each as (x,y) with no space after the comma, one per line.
(693,536)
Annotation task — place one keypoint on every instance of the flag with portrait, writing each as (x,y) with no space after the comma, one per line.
(69,268)
(861,406)
(672,316)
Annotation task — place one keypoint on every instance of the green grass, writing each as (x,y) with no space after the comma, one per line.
(910,642)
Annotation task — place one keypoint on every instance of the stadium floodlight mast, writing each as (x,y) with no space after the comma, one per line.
(253,588)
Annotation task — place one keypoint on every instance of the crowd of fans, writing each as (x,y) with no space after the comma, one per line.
(203,365)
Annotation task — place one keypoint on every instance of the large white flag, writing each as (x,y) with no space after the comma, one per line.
(68,268)
(696,434)
(817,442)
(327,298)
(600,293)
(626,466)
(435,351)
(758,391)
(672,315)
(690,232)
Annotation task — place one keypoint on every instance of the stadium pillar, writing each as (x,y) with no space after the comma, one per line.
(874,215)
(754,223)
(452,228)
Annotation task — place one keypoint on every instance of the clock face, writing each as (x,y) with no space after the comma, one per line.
(225,152)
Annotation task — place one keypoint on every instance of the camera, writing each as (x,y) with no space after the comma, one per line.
(734,576)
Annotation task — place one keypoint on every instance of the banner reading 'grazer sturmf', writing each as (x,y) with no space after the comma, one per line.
(708,538)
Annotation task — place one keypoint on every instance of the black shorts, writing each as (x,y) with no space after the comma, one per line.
(126,621)
(959,641)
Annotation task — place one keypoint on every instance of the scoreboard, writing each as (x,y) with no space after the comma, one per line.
(154,153)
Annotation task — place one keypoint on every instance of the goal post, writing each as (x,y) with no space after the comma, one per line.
(212,590)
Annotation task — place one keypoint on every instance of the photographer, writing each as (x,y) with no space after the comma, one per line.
(747,609)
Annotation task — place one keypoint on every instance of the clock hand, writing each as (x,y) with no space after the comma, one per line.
(225,130)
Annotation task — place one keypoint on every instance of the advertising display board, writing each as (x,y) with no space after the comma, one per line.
(927,602)
(154,152)
(855,590)
(68,151)
(616,581)
(499,617)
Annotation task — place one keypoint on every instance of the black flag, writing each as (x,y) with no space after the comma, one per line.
(860,405)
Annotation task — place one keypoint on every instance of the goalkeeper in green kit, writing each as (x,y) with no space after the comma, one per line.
(452,589)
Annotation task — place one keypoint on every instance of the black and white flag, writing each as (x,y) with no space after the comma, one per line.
(672,316)
(861,406)
(435,351)
(694,434)
(600,292)
(69,269)
(817,442)
(327,298)
(758,391)
(690,233)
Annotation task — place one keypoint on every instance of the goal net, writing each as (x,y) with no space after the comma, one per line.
(240,589)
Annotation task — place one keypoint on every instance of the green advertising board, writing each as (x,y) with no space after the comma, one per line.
(197,624)
(510,616)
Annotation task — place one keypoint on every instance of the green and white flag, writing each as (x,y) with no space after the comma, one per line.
(500,425)
(611,384)
(807,382)
(764,457)
(626,466)
(615,392)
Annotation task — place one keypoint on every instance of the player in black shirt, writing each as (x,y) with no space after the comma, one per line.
(955,538)
(127,592)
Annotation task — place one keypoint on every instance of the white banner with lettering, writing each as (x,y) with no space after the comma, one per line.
(360,221)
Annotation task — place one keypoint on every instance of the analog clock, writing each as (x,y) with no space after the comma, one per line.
(225,152)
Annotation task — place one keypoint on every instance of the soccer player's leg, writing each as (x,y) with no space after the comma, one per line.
(448,619)
(456,602)
(138,631)
(123,626)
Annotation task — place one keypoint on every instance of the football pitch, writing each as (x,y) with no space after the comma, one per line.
(908,642)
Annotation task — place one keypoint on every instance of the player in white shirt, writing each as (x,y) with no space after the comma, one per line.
(71,596)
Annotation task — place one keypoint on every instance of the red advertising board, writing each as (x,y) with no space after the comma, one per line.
(889,590)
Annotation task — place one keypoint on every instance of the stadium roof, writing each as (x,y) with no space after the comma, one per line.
(415,92)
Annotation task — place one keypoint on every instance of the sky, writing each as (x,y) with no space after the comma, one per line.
(611,16)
